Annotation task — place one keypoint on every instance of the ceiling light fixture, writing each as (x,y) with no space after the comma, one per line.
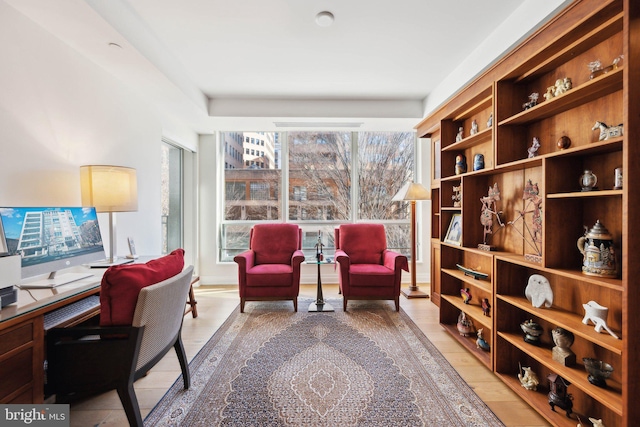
(324,19)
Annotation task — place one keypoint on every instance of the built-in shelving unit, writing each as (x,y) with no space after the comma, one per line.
(587,30)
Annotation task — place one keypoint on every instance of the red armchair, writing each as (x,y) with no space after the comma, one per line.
(270,269)
(368,270)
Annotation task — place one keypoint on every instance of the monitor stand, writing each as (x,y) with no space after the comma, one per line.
(55,280)
(106,263)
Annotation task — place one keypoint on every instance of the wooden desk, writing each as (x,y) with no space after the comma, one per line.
(22,337)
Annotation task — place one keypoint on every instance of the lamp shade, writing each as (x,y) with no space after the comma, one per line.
(412,191)
(109,188)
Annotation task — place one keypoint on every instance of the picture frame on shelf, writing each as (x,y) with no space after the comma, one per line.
(454,232)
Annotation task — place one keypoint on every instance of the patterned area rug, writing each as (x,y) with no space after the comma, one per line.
(371,366)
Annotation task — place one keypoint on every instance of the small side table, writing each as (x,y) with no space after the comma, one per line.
(319,306)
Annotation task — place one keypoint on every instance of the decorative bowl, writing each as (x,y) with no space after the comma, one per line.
(598,371)
(532,332)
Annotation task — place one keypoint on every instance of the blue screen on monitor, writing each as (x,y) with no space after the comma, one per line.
(51,238)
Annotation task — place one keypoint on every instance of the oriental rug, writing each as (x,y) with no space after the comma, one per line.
(370,366)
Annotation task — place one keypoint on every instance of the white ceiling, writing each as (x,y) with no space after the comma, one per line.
(237,59)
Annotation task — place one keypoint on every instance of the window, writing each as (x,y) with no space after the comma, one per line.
(331,178)
(171,199)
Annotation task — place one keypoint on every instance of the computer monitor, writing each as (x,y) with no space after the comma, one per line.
(51,239)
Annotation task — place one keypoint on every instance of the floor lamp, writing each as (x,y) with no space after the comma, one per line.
(109,189)
(410,192)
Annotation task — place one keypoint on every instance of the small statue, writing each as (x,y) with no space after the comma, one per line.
(562,85)
(562,353)
(488,211)
(533,101)
(486,307)
(558,395)
(474,127)
(596,422)
(538,291)
(465,293)
(597,314)
(607,132)
(551,93)
(533,150)
(456,196)
(464,325)
(478,162)
(481,343)
(461,164)
(528,378)
(596,67)
(459,135)
(532,332)
(490,120)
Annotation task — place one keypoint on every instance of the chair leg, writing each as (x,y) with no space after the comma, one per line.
(344,304)
(295,305)
(241,305)
(182,358)
(397,300)
(130,404)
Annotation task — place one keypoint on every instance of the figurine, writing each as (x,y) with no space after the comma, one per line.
(466,295)
(533,237)
(465,326)
(558,395)
(550,93)
(617,178)
(588,180)
(474,127)
(563,142)
(562,353)
(481,342)
(562,85)
(459,135)
(486,307)
(607,132)
(461,164)
(456,196)
(478,162)
(533,101)
(488,211)
(490,120)
(596,67)
(533,150)
(532,332)
(539,291)
(596,423)
(597,314)
(528,378)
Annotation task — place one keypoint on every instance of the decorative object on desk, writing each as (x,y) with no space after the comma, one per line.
(538,291)
(456,196)
(598,252)
(132,249)
(465,293)
(454,232)
(488,211)
(562,352)
(617,178)
(558,395)
(533,235)
(562,86)
(533,150)
(607,132)
(464,325)
(481,343)
(588,180)
(597,314)
(564,142)
(533,101)
(459,136)
(528,378)
(473,273)
(461,164)
(486,307)
(478,162)
(474,127)
(413,192)
(109,189)
(532,331)
(596,67)
(490,121)
(598,371)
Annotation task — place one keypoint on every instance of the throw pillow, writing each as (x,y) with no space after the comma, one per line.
(121,285)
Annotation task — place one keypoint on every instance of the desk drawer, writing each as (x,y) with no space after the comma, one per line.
(15,337)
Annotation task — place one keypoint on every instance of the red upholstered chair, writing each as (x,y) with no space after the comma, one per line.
(270,269)
(368,270)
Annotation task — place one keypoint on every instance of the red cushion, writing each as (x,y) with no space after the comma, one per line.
(121,285)
(364,243)
(275,243)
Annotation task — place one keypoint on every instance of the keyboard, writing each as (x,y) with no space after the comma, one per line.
(71,311)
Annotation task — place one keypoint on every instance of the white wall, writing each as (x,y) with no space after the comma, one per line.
(58,111)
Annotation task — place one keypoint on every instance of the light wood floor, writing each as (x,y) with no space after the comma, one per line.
(215,303)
